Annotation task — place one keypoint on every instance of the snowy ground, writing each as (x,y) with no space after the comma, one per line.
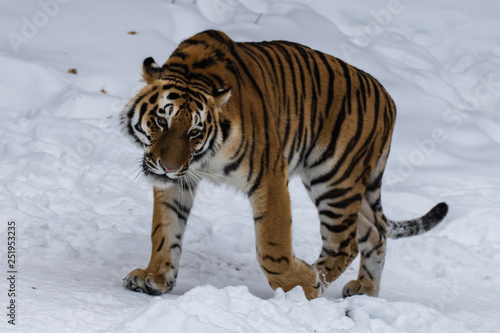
(68,176)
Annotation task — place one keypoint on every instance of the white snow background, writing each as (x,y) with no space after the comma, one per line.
(68,176)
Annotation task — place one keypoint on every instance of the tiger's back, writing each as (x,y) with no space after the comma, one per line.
(313,101)
(268,110)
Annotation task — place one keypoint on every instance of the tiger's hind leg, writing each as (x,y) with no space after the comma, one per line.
(338,208)
(371,237)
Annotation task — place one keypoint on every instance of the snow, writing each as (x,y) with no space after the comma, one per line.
(69,177)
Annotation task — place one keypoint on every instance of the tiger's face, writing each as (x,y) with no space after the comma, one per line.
(177,126)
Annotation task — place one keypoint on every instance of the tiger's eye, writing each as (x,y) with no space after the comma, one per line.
(194,133)
(162,121)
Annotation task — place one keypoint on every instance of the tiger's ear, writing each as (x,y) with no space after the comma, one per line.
(222,97)
(150,70)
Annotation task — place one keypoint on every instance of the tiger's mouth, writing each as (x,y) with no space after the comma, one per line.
(161,173)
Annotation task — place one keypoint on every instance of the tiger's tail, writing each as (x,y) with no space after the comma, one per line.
(399,229)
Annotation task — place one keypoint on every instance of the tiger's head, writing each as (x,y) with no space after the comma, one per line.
(175,122)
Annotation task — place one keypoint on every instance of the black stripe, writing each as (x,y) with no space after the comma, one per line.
(251,154)
(192,41)
(312,115)
(179,54)
(330,149)
(277,260)
(367,272)
(346,202)
(348,240)
(345,225)
(225,126)
(270,60)
(280,75)
(249,49)
(161,244)
(332,194)
(175,246)
(369,253)
(305,145)
(268,271)
(258,218)
(334,254)
(317,74)
(173,95)
(179,68)
(330,214)
(138,127)
(234,165)
(156,229)
(291,71)
(144,108)
(362,89)
(354,140)
(217,35)
(204,63)
(330,87)
(181,211)
(258,179)
(217,81)
(153,98)
(365,237)
(292,147)
(207,146)
(348,149)
(203,81)
(182,208)
(347,77)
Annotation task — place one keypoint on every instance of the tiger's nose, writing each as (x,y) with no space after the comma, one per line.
(169,170)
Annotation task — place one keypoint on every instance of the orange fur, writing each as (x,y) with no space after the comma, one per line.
(252,114)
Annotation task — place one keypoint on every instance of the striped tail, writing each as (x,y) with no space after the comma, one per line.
(417,226)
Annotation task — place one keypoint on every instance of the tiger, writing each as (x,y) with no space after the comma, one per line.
(252,115)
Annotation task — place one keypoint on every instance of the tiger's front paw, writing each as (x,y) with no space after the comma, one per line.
(300,274)
(150,283)
(355,287)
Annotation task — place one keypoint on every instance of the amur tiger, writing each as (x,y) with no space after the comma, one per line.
(254,114)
